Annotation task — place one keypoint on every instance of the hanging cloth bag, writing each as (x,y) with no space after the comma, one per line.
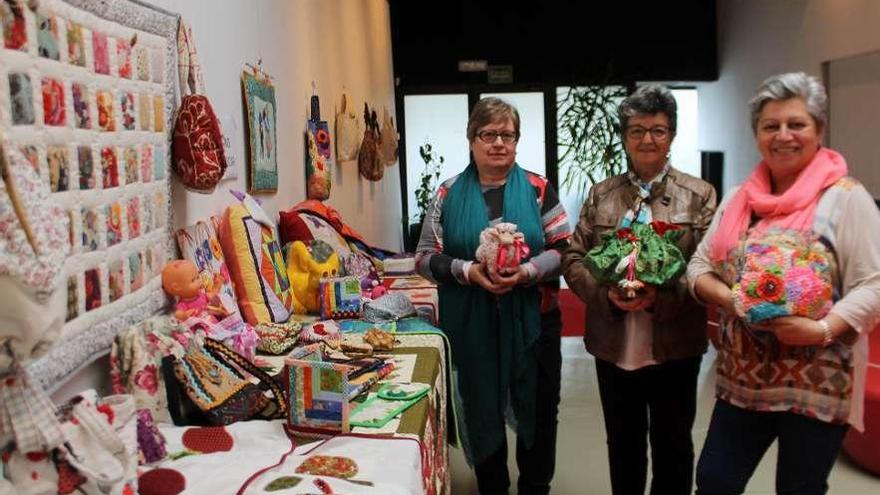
(317,154)
(348,136)
(197,143)
(388,138)
(369,163)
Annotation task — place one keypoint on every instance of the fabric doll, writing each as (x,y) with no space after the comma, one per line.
(502,246)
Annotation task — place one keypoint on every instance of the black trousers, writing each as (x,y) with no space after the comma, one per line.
(536,464)
(657,402)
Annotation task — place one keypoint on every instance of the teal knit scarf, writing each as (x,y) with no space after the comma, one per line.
(492,338)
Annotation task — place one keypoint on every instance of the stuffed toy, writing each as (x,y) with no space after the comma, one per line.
(502,246)
(305,272)
(181,279)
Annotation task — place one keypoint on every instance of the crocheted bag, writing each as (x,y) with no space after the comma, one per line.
(783,274)
(197,143)
(318,163)
(348,138)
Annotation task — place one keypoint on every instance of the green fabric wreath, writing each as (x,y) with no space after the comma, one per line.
(659,261)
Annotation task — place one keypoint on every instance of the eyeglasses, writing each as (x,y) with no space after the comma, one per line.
(489,137)
(637,133)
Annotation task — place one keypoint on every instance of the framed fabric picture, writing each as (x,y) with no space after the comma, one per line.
(262,163)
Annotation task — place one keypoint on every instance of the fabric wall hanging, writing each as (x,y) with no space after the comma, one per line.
(369,162)
(318,164)
(87,99)
(388,139)
(197,143)
(260,109)
(348,133)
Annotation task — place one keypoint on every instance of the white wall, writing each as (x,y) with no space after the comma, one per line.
(759,38)
(338,44)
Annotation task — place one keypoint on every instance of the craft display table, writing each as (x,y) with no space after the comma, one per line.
(407,456)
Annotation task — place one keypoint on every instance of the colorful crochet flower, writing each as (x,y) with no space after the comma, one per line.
(770,288)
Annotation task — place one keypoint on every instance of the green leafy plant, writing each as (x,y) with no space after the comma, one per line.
(428,180)
(590,148)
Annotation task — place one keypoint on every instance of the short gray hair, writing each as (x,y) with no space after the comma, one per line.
(791,85)
(490,110)
(649,99)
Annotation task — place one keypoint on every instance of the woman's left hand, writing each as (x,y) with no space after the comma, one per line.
(794,330)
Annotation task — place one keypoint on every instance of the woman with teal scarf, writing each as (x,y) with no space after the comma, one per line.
(503,325)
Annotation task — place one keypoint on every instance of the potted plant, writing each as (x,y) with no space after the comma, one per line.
(428,182)
(590,148)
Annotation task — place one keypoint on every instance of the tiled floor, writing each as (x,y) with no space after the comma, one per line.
(581,465)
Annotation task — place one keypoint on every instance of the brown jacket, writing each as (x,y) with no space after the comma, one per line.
(679,321)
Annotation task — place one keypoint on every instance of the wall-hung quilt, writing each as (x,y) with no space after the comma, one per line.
(87,90)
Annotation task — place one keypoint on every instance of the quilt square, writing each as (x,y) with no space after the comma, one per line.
(72,298)
(86,163)
(136,271)
(90,229)
(123,58)
(158,163)
(21,97)
(54,112)
(130,158)
(144,102)
(133,216)
(76,47)
(81,114)
(147,163)
(109,168)
(106,119)
(93,288)
(101,53)
(14,31)
(159,114)
(142,63)
(58,158)
(47,36)
(126,105)
(33,156)
(117,280)
(157,65)
(160,206)
(113,213)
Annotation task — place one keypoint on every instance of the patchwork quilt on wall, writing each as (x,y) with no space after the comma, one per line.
(87,91)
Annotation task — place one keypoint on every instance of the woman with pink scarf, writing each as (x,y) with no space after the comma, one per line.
(792,261)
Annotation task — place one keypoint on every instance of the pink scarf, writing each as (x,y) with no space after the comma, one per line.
(793,210)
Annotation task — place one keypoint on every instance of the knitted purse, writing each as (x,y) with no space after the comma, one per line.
(782,274)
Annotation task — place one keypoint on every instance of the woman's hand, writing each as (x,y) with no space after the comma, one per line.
(644,298)
(712,290)
(794,330)
(509,276)
(478,276)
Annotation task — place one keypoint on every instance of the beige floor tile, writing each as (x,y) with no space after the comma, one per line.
(582,461)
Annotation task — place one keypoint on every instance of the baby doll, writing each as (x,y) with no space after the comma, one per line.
(180,278)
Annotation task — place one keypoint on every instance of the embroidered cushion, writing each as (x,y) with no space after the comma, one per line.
(783,274)
(255,263)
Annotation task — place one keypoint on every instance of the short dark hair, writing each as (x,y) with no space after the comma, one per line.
(649,99)
(489,110)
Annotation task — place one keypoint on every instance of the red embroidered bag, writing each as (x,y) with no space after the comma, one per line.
(197,143)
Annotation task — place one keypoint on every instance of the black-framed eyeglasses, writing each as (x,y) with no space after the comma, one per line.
(637,132)
(489,137)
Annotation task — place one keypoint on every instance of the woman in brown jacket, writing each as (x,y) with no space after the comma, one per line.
(648,348)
